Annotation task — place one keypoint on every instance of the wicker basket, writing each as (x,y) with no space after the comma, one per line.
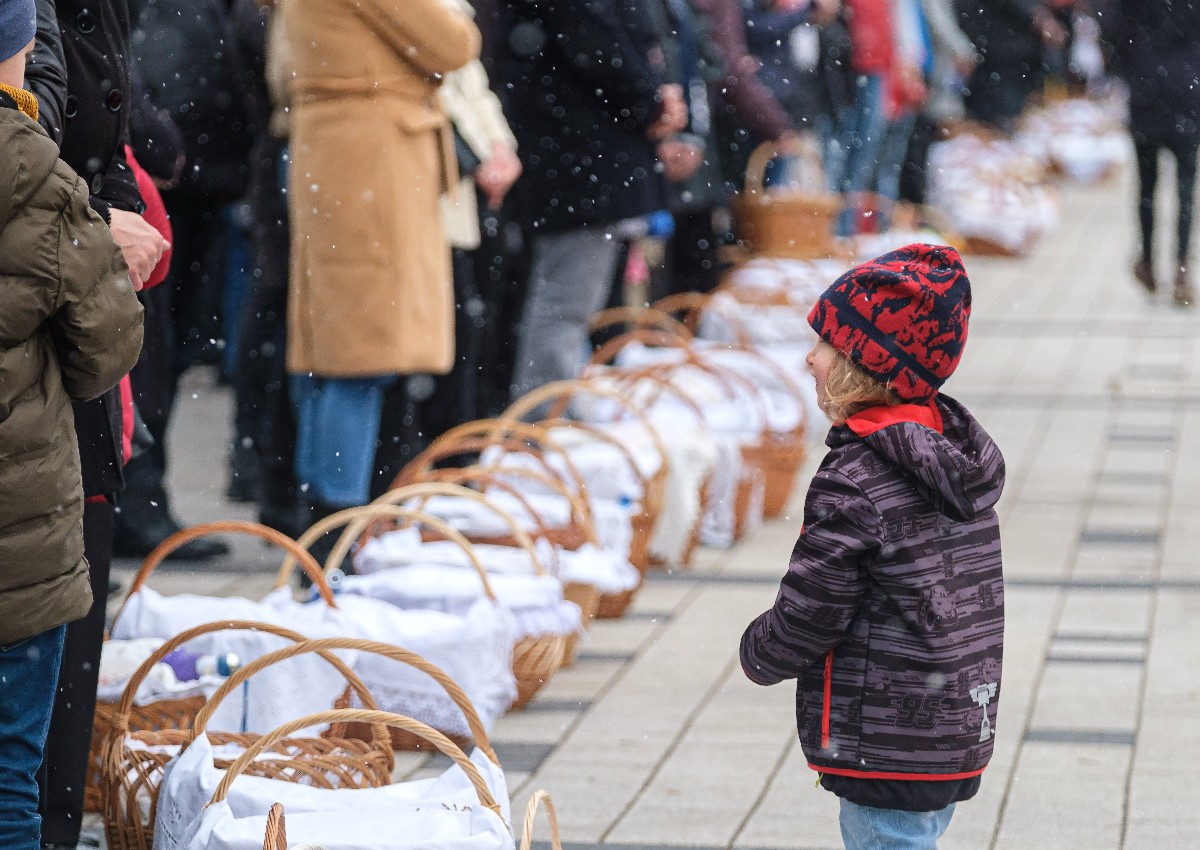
(783,222)
(174,713)
(365,732)
(558,395)
(129,775)
(276,832)
(535,659)
(726,378)
(472,438)
(652,487)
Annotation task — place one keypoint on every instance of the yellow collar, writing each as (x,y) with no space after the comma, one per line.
(26,101)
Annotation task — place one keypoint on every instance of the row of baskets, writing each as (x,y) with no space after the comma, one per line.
(493,552)
(188,786)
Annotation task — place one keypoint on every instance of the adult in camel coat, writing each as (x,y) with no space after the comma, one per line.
(370,288)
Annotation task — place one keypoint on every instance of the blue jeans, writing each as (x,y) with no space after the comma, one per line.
(28,678)
(866,828)
(337,426)
(862,128)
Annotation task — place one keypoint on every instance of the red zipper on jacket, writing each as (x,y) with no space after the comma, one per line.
(827,700)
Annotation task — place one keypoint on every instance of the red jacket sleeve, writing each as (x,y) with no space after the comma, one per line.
(155,215)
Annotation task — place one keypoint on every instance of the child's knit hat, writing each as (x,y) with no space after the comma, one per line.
(18,26)
(901,317)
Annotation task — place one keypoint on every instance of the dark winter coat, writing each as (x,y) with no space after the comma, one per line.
(89,83)
(1011,66)
(70,328)
(585,93)
(186,55)
(891,615)
(1156,47)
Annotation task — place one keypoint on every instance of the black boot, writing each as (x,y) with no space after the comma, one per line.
(144,519)
(322,547)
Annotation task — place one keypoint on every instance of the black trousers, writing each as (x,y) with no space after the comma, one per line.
(65,763)
(1184,149)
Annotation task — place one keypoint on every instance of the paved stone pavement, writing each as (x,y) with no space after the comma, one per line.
(654,738)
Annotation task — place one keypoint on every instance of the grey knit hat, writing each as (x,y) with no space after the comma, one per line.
(18,26)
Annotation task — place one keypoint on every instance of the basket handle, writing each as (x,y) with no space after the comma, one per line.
(323,647)
(654,375)
(186,535)
(124,707)
(642,317)
(566,389)
(551,816)
(488,476)
(444,488)
(606,353)
(352,715)
(761,156)
(693,304)
(276,833)
(356,519)
(789,383)
(479,434)
(603,436)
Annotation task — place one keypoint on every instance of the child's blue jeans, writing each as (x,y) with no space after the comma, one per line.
(28,679)
(866,828)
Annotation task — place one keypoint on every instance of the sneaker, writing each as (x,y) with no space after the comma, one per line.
(1143,272)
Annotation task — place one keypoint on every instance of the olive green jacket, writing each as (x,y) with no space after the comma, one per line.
(70,328)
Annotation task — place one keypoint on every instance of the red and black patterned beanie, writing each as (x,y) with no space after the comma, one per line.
(901,318)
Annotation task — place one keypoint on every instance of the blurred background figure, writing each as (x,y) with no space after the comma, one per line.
(593,112)
(1155,46)
(1011,37)
(184,54)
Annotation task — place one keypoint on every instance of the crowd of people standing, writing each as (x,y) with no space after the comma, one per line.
(380,219)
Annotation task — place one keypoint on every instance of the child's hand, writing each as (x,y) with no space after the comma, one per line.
(141,245)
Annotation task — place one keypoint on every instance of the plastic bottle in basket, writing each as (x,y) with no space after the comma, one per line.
(189,666)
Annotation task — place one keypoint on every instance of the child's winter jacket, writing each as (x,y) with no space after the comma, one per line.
(70,328)
(891,615)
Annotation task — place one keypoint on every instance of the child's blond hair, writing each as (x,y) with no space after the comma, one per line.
(848,389)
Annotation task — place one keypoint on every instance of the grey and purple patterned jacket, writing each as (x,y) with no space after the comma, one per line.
(891,615)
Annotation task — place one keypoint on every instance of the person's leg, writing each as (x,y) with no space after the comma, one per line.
(862,142)
(893,152)
(867,828)
(568,282)
(1184,151)
(64,771)
(337,428)
(29,671)
(1147,165)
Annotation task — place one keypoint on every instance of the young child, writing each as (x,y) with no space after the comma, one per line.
(891,615)
(70,328)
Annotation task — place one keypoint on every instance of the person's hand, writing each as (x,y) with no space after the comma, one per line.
(679,159)
(673,114)
(824,12)
(1052,33)
(141,245)
(786,6)
(497,174)
(964,64)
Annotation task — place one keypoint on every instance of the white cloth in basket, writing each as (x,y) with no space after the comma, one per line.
(610,516)
(475,651)
(590,564)
(192,777)
(299,685)
(535,602)
(410,826)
